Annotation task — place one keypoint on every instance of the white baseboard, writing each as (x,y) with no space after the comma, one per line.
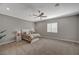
(65,40)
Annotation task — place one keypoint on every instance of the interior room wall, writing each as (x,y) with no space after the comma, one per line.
(78,27)
(67,28)
(12,24)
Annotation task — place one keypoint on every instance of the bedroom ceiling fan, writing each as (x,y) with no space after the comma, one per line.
(40,15)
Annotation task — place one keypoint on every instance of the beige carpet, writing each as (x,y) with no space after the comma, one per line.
(41,47)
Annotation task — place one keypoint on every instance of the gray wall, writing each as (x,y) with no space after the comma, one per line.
(12,24)
(78,27)
(67,28)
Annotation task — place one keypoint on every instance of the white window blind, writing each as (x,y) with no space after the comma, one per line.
(52,27)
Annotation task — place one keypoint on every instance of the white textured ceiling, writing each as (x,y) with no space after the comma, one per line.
(26,10)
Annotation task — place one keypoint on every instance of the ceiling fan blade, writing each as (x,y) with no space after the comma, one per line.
(43,16)
(39,11)
(35,15)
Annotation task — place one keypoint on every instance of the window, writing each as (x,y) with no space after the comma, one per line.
(52,27)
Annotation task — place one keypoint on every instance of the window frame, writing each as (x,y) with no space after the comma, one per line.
(50,25)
